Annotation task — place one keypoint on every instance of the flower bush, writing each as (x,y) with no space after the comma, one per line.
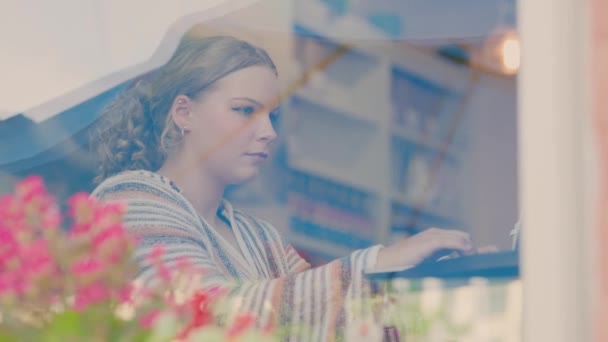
(68,277)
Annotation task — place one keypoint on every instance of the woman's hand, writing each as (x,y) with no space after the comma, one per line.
(413,250)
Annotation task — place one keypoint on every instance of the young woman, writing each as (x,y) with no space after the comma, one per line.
(177,138)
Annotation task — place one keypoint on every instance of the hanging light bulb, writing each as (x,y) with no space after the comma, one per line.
(500,52)
(508,44)
(510,53)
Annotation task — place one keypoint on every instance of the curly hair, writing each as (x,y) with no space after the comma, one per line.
(135,130)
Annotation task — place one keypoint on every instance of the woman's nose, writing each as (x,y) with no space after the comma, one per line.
(266,130)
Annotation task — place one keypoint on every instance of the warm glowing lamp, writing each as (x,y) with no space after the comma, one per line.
(500,53)
(510,53)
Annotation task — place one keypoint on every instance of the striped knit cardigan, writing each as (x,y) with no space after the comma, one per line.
(267,275)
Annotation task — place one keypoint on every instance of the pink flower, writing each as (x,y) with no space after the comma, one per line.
(216,291)
(86,267)
(125,293)
(164,272)
(6,202)
(156,258)
(37,257)
(36,209)
(6,283)
(113,233)
(11,212)
(80,229)
(268,328)
(111,243)
(11,284)
(148,320)
(81,208)
(8,246)
(51,218)
(90,294)
(109,214)
(183,264)
(30,221)
(30,188)
(157,253)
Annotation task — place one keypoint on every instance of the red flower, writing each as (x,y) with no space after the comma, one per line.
(242,323)
(201,301)
(201,313)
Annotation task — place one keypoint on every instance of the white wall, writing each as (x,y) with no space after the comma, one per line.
(52,48)
(554,119)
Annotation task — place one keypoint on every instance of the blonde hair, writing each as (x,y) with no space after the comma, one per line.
(135,130)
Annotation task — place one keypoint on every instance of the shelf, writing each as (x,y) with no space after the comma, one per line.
(404,201)
(405,57)
(318,245)
(347,239)
(330,213)
(322,170)
(344,122)
(419,139)
(336,104)
(315,14)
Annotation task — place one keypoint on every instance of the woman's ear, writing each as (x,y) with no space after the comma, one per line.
(181,110)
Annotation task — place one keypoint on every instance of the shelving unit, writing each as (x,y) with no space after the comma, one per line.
(377,122)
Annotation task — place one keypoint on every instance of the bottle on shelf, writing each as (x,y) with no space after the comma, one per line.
(418,178)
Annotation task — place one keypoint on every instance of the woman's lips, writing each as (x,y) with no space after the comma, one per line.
(259,155)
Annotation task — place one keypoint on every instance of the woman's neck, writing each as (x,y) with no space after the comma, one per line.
(198,186)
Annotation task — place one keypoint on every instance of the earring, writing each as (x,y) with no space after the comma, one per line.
(183,131)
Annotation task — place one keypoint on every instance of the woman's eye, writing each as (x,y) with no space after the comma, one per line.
(274,119)
(246,110)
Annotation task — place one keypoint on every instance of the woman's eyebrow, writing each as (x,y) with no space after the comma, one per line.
(249,100)
(258,104)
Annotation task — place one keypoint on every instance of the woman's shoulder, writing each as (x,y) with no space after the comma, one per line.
(138,185)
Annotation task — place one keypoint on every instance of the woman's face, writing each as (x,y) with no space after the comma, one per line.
(231,126)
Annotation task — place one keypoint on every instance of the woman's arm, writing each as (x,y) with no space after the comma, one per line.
(318,300)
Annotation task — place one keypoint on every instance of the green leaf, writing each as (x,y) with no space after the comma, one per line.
(208,334)
(7,338)
(64,327)
(164,329)
(141,335)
